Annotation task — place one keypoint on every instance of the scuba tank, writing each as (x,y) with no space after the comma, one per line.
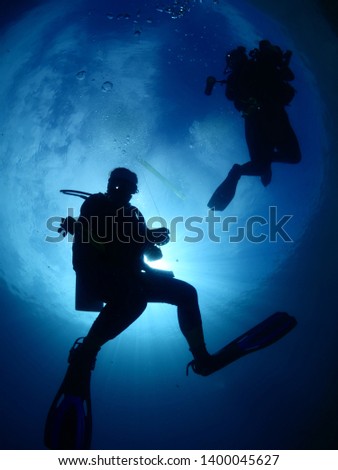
(85,298)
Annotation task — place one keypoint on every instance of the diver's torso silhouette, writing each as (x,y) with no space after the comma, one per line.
(109,244)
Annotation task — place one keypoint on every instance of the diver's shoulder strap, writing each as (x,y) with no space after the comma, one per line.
(74,192)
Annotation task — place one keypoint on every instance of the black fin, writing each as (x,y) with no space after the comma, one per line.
(226,191)
(262,335)
(69,423)
(69,420)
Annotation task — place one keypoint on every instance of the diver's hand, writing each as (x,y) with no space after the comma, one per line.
(159,236)
(67,225)
(153,252)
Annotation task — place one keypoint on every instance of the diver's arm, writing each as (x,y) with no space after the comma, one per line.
(67,225)
(158,236)
(153,238)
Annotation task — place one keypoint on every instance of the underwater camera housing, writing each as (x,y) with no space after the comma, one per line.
(209,86)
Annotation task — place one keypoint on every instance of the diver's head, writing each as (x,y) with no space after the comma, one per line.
(264,43)
(122,184)
(236,58)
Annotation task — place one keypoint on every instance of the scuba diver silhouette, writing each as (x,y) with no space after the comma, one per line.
(110,242)
(259,87)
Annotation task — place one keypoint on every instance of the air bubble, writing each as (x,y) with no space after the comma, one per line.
(107,87)
(81,75)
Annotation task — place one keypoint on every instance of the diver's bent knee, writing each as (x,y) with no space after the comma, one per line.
(190,292)
(298,158)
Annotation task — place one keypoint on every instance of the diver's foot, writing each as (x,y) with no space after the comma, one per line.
(82,355)
(81,363)
(77,381)
(235,172)
(204,367)
(266,177)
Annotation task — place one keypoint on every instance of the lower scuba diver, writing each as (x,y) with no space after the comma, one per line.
(112,267)
(259,87)
(111,241)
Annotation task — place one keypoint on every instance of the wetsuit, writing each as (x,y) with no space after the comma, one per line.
(108,253)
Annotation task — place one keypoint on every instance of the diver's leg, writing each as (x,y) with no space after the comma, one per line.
(287,149)
(112,320)
(124,304)
(260,148)
(258,169)
(257,137)
(162,289)
(253,168)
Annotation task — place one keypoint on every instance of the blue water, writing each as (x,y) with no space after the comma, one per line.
(59,128)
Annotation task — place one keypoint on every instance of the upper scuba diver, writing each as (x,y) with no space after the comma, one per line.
(259,87)
(111,240)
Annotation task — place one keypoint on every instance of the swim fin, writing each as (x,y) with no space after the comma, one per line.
(226,191)
(262,335)
(69,420)
(69,423)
